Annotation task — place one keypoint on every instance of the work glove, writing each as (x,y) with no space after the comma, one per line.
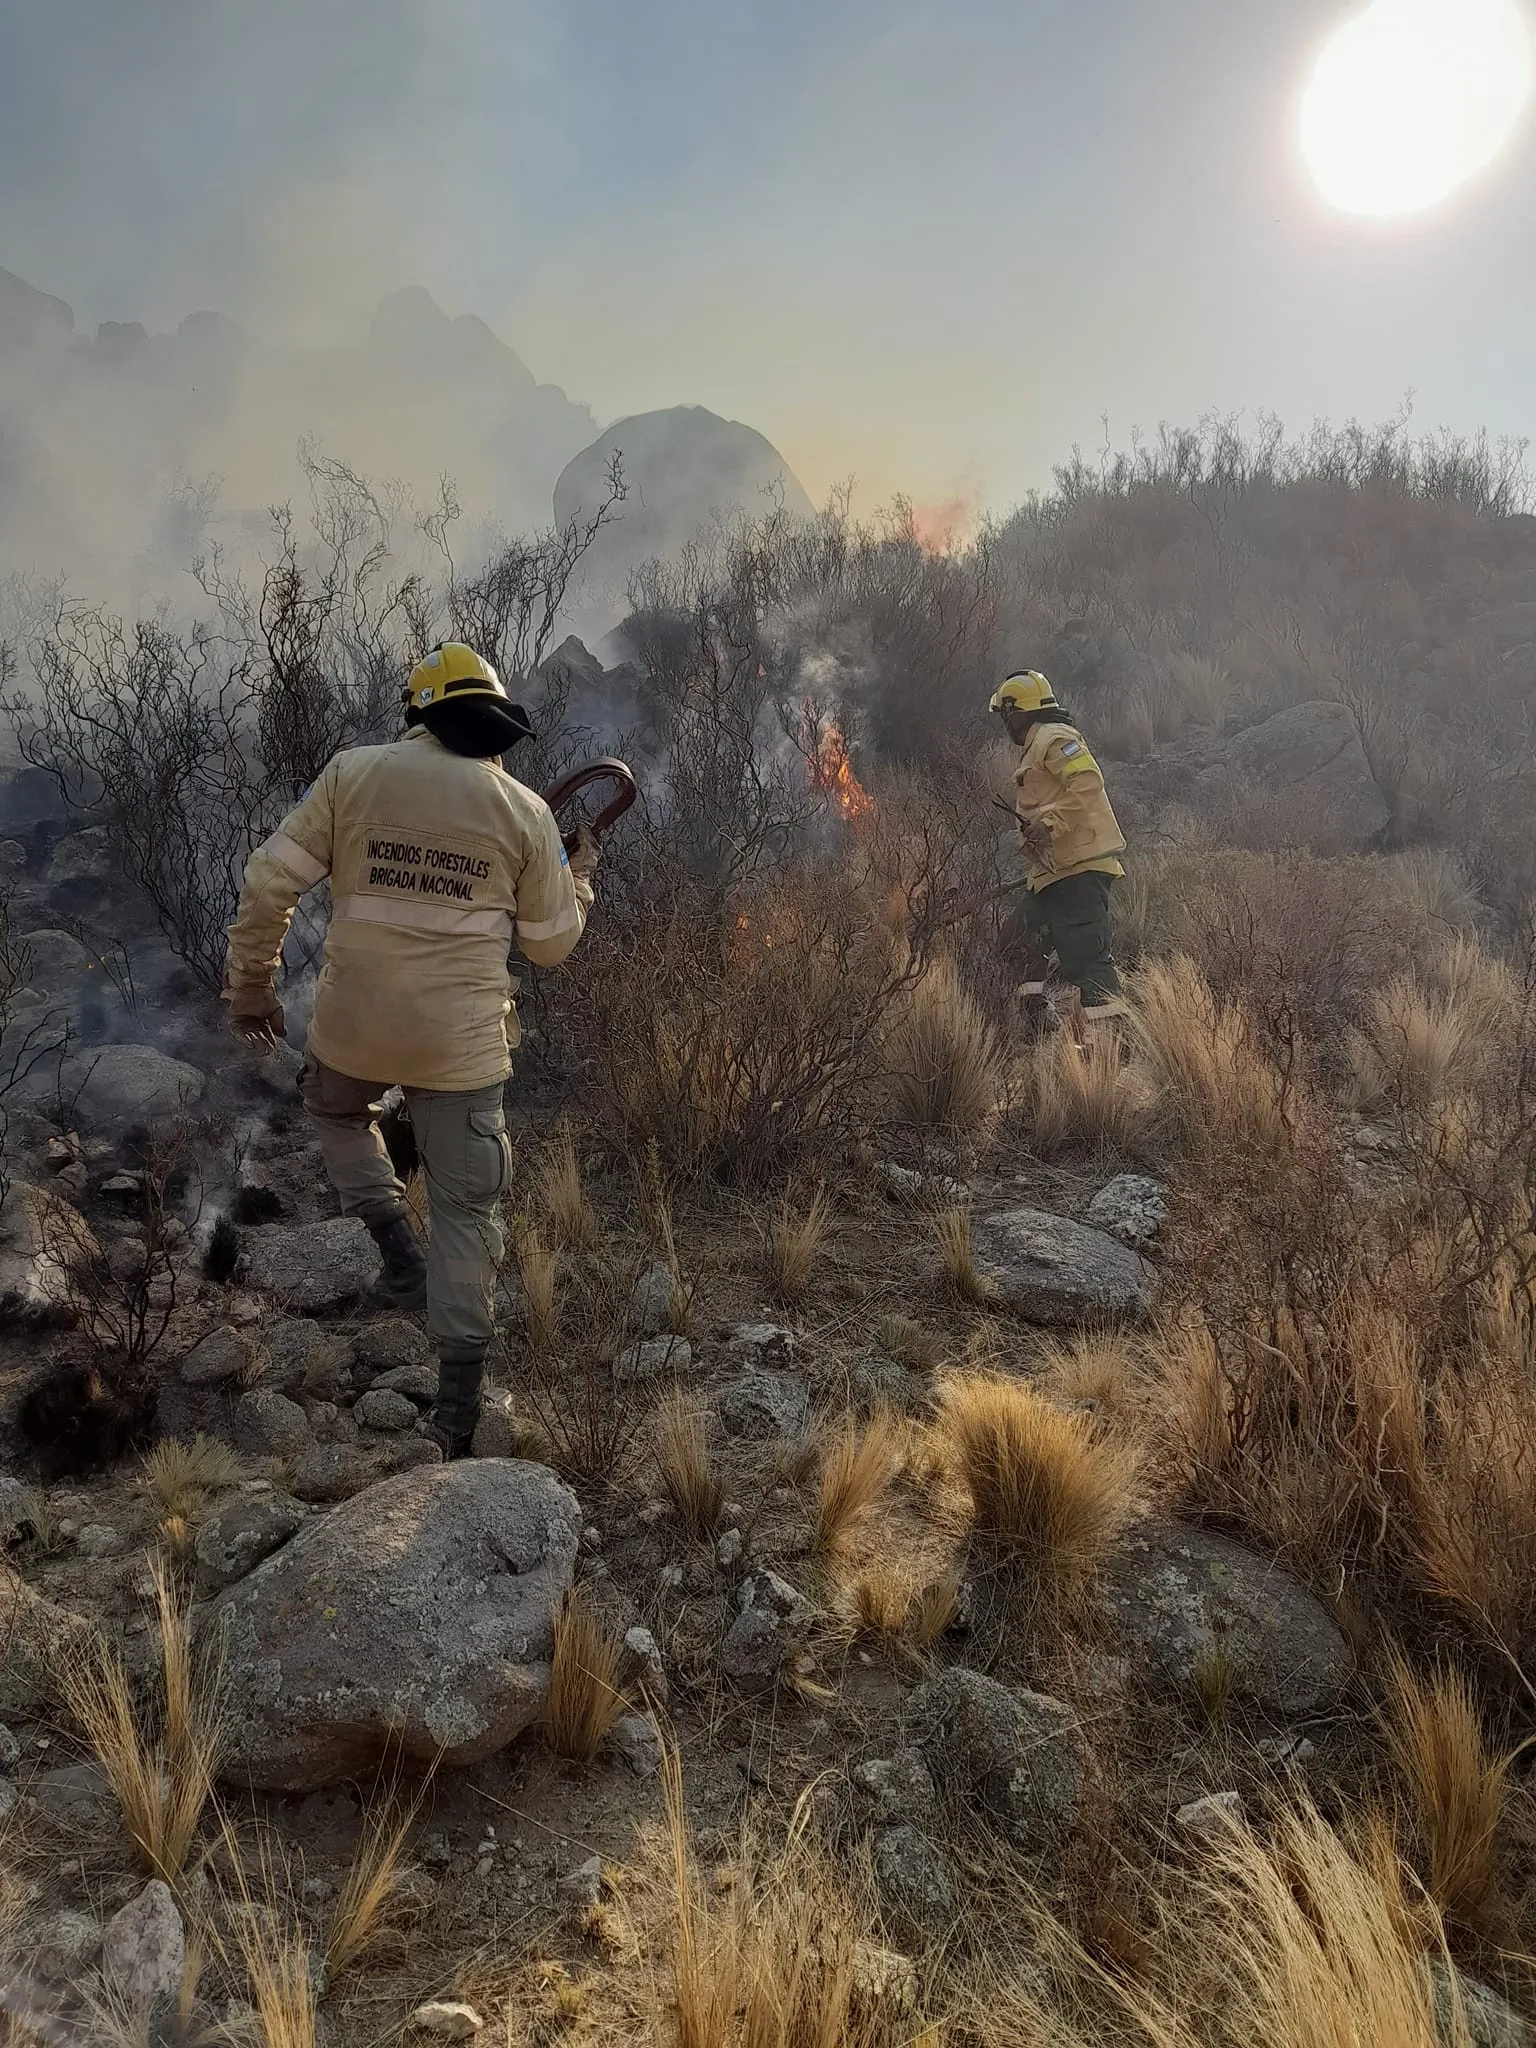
(1035,839)
(256,1016)
(585,850)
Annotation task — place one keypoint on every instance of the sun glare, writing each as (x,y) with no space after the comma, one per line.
(1413,97)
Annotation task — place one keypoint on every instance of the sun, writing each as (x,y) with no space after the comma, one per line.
(1413,97)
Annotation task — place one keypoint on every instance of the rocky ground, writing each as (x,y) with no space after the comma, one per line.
(378,1628)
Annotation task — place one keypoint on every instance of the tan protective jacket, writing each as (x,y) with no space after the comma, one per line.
(434,862)
(1061,787)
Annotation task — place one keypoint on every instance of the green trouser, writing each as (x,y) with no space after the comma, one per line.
(1070,918)
(467,1159)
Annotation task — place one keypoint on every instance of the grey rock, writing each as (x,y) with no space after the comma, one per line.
(1132,1207)
(313,1267)
(650,1358)
(10,1799)
(1310,757)
(10,1749)
(382,1409)
(1491,2021)
(898,1789)
(773,1617)
(222,1355)
(635,1741)
(98,1539)
(144,1950)
(77,1796)
(1052,1270)
(645,1655)
(114,1086)
(1176,1593)
(728,1548)
(326,1473)
(41,1236)
(67,1946)
(497,1433)
(763,1344)
(388,1345)
(37,1639)
(236,1539)
(269,1425)
(447,2020)
(916,1884)
(903,1183)
(13,1508)
(409,1453)
(419,1615)
(288,1351)
(584,1880)
(57,965)
(650,1307)
(1018,1756)
(765,1404)
(417,1382)
(82,857)
(885,1983)
(1208,1819)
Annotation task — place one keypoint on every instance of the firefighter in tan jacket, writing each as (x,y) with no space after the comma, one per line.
(1071,840)
(436,858)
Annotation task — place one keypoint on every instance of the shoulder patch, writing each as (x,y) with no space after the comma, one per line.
(565,858)
(1069,748)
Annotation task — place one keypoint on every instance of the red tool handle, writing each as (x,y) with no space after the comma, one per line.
(607,770)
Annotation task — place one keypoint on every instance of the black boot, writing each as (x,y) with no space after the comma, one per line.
(403,1281)
(451,1424)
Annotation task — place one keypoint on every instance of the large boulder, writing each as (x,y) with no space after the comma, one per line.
(234,1541)
(1180,1596)
(419,1615)
(686,469)
(1310,758)
(41,1238)
(113,1087)
(39,1639)
(313,1268)
(1050,1269)
(1017,1756)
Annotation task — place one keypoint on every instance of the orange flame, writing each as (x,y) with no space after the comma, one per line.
(832,771)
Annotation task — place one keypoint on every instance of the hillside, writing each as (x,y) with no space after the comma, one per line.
(976,1541)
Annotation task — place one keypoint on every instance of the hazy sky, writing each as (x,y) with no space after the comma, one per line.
(928,246)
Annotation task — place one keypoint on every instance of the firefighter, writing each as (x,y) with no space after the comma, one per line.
(436,858)
(1071,842)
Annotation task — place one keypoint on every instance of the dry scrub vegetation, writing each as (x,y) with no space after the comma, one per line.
(787,1062)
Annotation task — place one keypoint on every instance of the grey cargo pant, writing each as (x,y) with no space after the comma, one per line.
(467,1160)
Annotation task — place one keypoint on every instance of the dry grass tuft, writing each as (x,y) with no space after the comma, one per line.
(945,1073)
(275,1951)
(680,1441)
(857,1467)
(162,1777)
(793,1243)
(1415,1048)
(1204,1061)
(182,1477)
(561,1195)
(934,1609)
(1453,1790)
(882,1601)
(773,1961)
(361,1920)
(957,1257)
(1102,1369)
(1041,1483)
(37,1515)
(538,1270)
(1214,1677)
(1082,1098)
(898,1337)
(584,1698)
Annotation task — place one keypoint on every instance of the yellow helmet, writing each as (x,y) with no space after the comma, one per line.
(1027,690)
(451,670)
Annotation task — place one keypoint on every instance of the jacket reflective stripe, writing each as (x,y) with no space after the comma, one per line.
(423,917)
(298,860)
(549,927)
